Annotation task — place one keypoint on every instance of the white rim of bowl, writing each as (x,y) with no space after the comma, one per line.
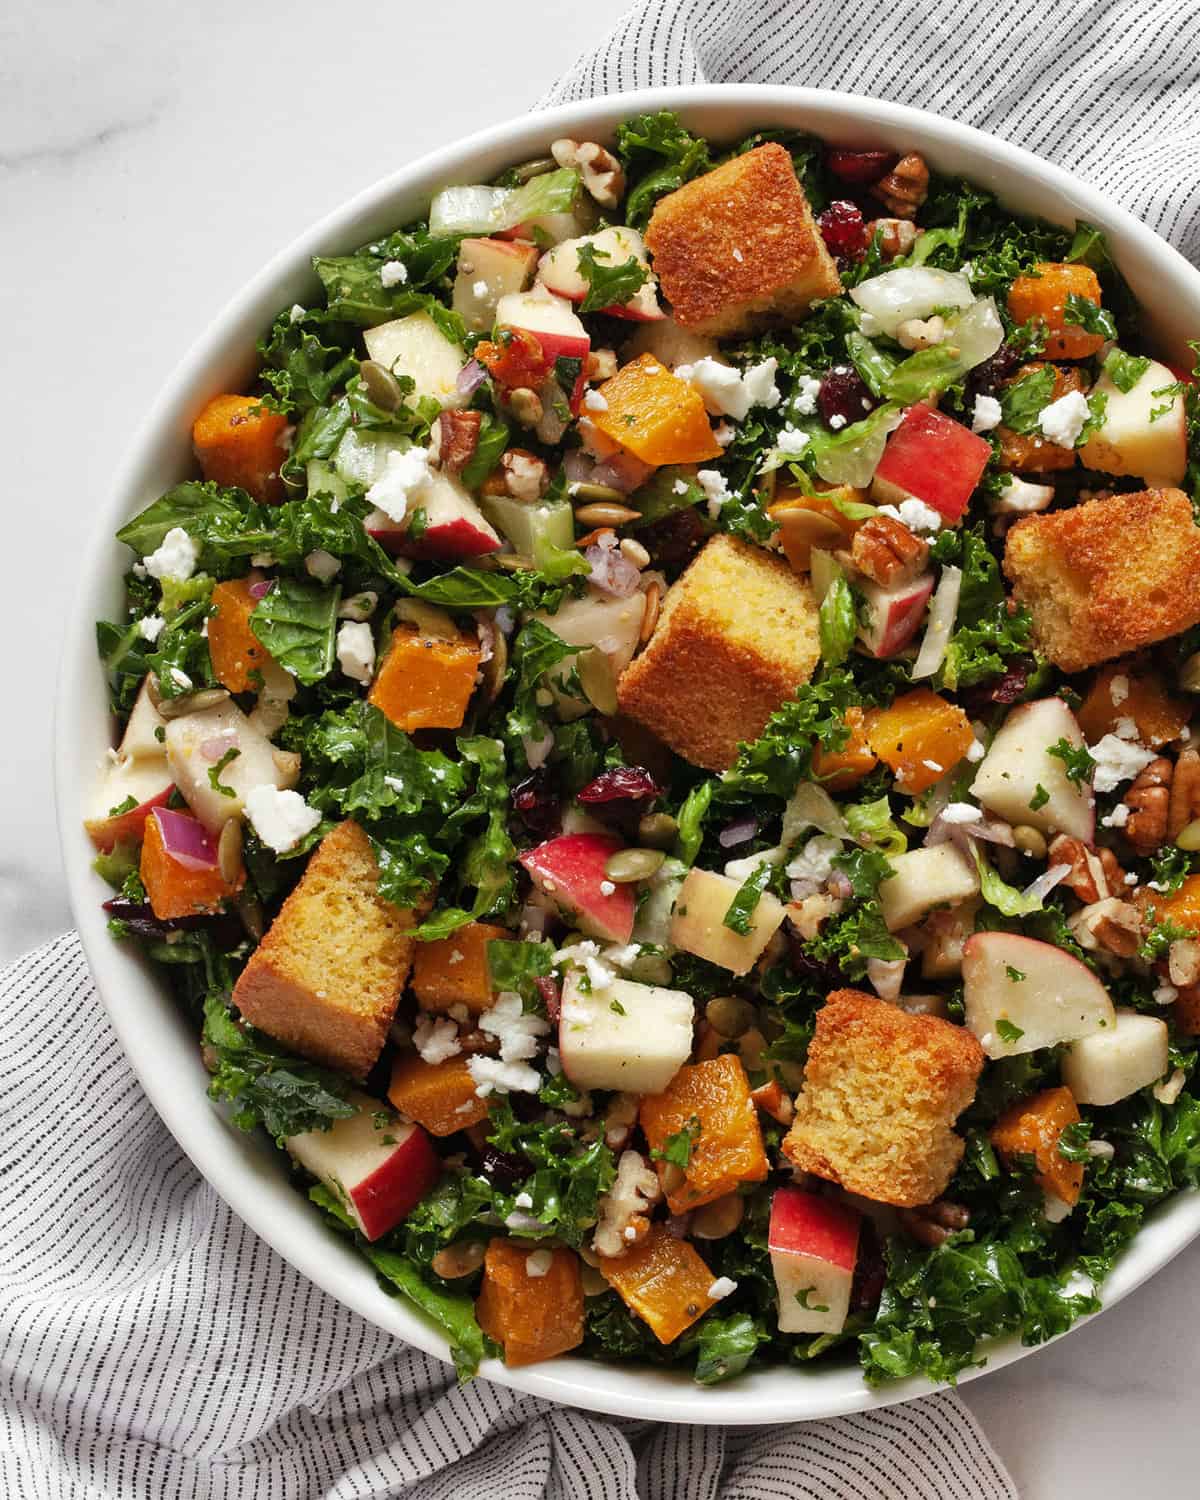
(780,1393)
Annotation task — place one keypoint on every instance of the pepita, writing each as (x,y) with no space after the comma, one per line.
(657,830)
(716,1220)
(494,668)
(596,679)
(512,562)
(382,387)
(628,865)
(672,1176)
(229,851)
(1189,837)
(185,703)
(458,1260)
(650,612)
(584,489)
(809,528)
(1189,674)
(605,513)
(252,915)
(538,167)
(1030,841)
(729,1015)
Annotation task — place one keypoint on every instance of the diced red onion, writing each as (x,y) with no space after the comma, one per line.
(622,472)
(740,831)
(1045,883)
(470,378)
(839,885)
(185,839)
(262,588)
(613,572)
(578,467)
(986,828)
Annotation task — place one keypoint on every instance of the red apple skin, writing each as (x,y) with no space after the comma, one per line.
(570,869)
(127,827)
(804,1224)
(936,459)
(564,346)
(454,529)
(904,610)
(394,1189)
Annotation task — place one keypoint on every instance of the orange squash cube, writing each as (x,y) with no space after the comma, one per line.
(729,1148)
(1029,451)
(441,1096)
(1185,1013)
(238,656)
(1123,692)
(1032,1127)
(454,970)
(1181,908)
(425,681)
(920,737)
(533,1317)
(656,416)
(839,770)
(664,1281)
(237,442)
(1043,294)
(173,889)
(797,547)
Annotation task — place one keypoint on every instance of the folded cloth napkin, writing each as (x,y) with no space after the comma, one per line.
(150,1345)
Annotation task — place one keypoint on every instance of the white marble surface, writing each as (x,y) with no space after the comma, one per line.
(151,157)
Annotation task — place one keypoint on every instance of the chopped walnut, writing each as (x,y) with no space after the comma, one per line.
(601,365)
(620,1119)
(807,916)
(921,333)
(1183,962)
(934,1223)
(623,1218)
(526,476)
(905,187)
(601,171)
(457,436)
(1109,924)
(1148,801)
(1185,793)
(898,236)
(1095,873)
(887,551)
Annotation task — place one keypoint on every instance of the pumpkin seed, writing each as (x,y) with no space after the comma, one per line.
(583,489)
(1189,674)
(229,851)
(526,406)
(538,167)
(252,915)
(605,513)
(512,562)
(458,1260)
(382,387)
(651,607)
(1189,837)
(191,703)
(672,1177)
(1030,841)
(594,1284)
(628,865)
(810,528)
(751,1045)
(428,618)
(729,1015)
(632,549)
(716,1220)
(657,830)
(494,668)
(596,679)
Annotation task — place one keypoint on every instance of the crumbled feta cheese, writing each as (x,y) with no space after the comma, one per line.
(356,651)
(724,1286)
(1117,818)
(151,628)
(516,1031)
(1020,498)
(480,288)
(607,888)
(393,273)
(758,382)
(680,487)
(358,606)
(492,1075)
(1062,421)
(436,1038)
(815,861)
(869,325)
(295,313)
(914,514)
(594,401)
(538,1262)
(138,570)
(715,489)
(523,1223)
(1116,761)
(181,680)
(537,751)
(975,752)
(405,478)
(322,565)
(522,1200)
(737,255)
(934,765)
(280,818)
(174,557)
(837,421)
(1165,994)
(1118,689)
(791,440)
(804,402)
(986,414)
(960,812)
(1125,728)
(731,393)
(724,432)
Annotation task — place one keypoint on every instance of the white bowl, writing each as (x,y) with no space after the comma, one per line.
(160,1044)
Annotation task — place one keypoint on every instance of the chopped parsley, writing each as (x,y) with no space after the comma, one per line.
(1077,761)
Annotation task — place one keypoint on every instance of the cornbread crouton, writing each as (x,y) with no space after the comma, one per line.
(882,1090)
(737,635)
(326,978)
(738,248)
(1107,577)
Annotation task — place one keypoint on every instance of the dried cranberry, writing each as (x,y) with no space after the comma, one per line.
(859,166)
(844,230)
(985,378)
(821,975)
(675,539)
(536,800)
(551,995)
(502,1169)
(1008,687)
(621,784)
(844,397)
(870,1272)
(140,921)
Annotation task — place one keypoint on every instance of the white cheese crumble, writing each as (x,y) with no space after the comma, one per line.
(1125,728)
(731,393)
(356,651)
(436,1038)
(492,1075)
(680,487)
(405,477)
(975,752)
(174,557)
(1062,421)
(804,402)
(322,565)
(393,273)
(724,1286)
(151,628)
(295,313)
(869,325)
(594,401)
(1117,818)
(815,861)
(791,440)
(538,1262)
(1118,690)
(480,289)
(837,421)
(516,1031)
(522,1200)
(986,414)
(280,818)
(914,514)
(960,812)
(1116,761)
(1020,498)
(724,432)
(715,489)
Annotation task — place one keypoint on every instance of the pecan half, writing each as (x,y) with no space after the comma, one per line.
(526,476)
(887,551)
(905,187)
(897,236)
(457,438)
(1185,793)
(1109,924)
(1148,801)
(1095,873)
(1183,962)
(601,171)
(934,1223)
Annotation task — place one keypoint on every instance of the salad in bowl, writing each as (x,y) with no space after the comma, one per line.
(655,753)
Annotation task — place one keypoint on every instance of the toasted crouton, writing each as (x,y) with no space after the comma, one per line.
(737,635)
(326,978)
(738,248)
(1107,577)
(882,1090)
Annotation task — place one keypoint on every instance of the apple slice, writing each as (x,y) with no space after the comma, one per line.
(570,870)
(625,1036)
(1131,439)
(455,527)
(1021,994)
(669,344)
(1019,780)
(813,1243)
(610,626)
(698,922)
(894,614)
(552,321)
(148,782)
(197,741)
(415,346)
(559,270)
(378,1170)
(531,528)
(1114,1063)
(932,458)
(934,875)
(488,270)
(142,739)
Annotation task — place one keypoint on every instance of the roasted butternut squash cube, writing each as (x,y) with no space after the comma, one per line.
(239,658)
(238,442)
(425,681)
(1043,293)
(1033,1127)
(172,888)
(1124,691)
(1029,450)
(454,970)
(839,770)
(1185,1013)
(664,1281)
(533,1316)
(728,1149)
(655,416)
(920,737)
(441,1096)
(1181,908)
